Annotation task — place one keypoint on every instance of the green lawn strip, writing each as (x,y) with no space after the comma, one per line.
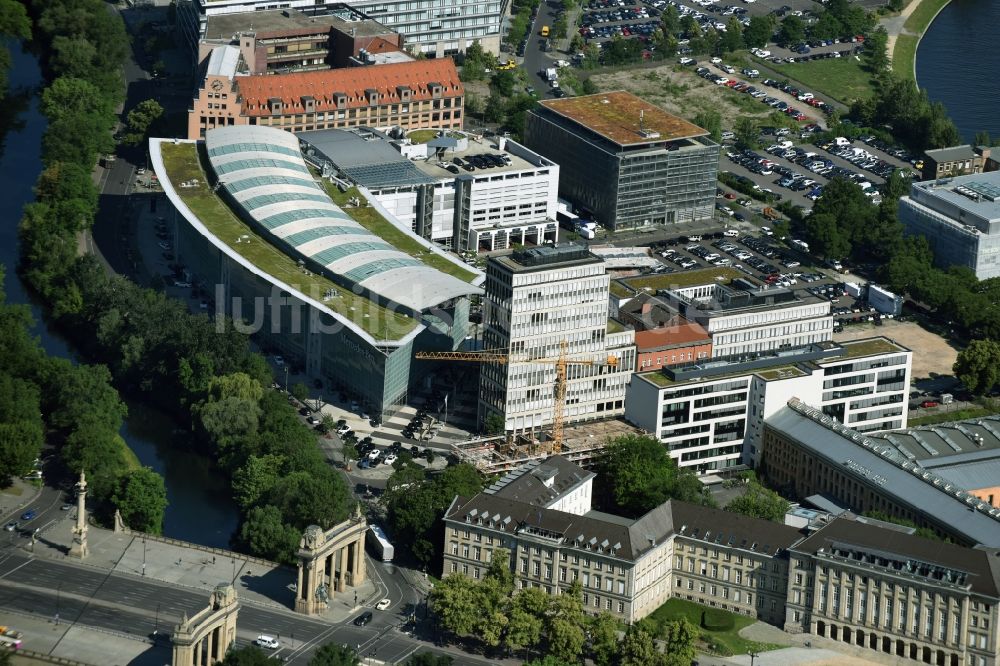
(421,136)
(725,642)
(843,79)
(946,417)
(181,162)
(904,54)
(373,221)
(923,15)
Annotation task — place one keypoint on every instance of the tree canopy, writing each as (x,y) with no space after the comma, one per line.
(642,475)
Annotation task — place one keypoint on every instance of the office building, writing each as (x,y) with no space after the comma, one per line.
(805,452)
(894,593)
(279,41)
(625,161)
(299,272)
(711,414)
(411,95)
(433,30)
(508,199)
(961,219)
(955,161)
(547,303)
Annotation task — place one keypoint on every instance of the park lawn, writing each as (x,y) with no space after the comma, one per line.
(904,55)
(842,79)
(725,643)
(923,15)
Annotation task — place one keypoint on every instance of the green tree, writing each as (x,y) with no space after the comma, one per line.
(792,30)
(589,87)
(978,366)
(710,120)
(250,655)
(496,109)
(255,478)
(564,624)
(670,21)
(141,498)
(759,502)
(267,536)
(643,476)
(456,604)
(503,83)
(876,51)
(732,38)
(21,425)
(604,638)
(335,654)
(300,391)
(758,33)
(552,660)
(494,423)
(637,649)
(825,237)
(747,133)
(526,621)
(306,497)
(679,636)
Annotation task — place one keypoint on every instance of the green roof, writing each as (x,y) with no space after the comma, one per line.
(679,280)
(373,221)
(615,326)
(657,377)
(181,162)
(868,347)
(619,290)
(783,372)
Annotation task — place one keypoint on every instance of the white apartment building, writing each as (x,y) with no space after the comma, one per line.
(492,207)
(436,28)
(711,415)
(744,318)
(539,304)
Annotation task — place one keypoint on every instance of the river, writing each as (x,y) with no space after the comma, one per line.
(957,62)
(200,508)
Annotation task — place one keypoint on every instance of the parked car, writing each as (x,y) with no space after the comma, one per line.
(929,403)
(267,641)
(382,605)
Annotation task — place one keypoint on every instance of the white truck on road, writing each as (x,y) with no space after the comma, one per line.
(551,74)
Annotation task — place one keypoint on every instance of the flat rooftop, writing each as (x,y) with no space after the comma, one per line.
(475,147)
(182,165)
(682,279)
(224,26)
(366,157)
(545,258)
(978,194)
(616,117)
(870,347)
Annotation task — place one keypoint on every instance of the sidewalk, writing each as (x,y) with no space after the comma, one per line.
(257,581)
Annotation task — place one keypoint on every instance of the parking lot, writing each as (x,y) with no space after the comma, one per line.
(798,171)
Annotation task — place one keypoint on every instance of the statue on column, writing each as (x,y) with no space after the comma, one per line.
(79,547)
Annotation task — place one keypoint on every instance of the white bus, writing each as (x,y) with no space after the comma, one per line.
(379,543)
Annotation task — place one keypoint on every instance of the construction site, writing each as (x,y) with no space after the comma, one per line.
(581,443)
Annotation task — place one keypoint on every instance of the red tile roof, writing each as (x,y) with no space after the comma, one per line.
(683,334)
(256,91)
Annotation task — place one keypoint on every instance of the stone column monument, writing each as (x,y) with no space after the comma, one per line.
(79,547)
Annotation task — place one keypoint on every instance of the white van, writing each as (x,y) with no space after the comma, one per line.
(730,233)
(841,141)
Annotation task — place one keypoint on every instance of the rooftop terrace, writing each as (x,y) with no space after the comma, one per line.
(182,164)
(869,347)
(680,280)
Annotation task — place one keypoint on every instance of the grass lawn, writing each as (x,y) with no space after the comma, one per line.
(923,15)
(182,164)
(727,642)
(371,220)
(421,136)
(945,417)
(904,55)
(842,79)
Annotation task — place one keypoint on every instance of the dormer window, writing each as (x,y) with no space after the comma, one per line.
(435,89)
(309,103)
(372,95)
(404,93)
(274,104)
(340,100)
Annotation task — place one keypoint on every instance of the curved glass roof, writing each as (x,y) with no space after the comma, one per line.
(262,169)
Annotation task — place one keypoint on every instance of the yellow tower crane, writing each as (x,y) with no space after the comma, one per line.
(561,362)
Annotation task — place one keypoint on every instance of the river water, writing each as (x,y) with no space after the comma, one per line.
(957,63)
(200,508)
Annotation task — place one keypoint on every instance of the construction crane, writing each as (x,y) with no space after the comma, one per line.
(561,362)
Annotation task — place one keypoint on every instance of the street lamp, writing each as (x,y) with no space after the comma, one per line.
(143,556)
(753,655)
(58,599)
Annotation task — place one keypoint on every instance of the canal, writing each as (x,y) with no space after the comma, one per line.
(200,508)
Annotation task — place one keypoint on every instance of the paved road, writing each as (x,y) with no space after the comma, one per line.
(534,58)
